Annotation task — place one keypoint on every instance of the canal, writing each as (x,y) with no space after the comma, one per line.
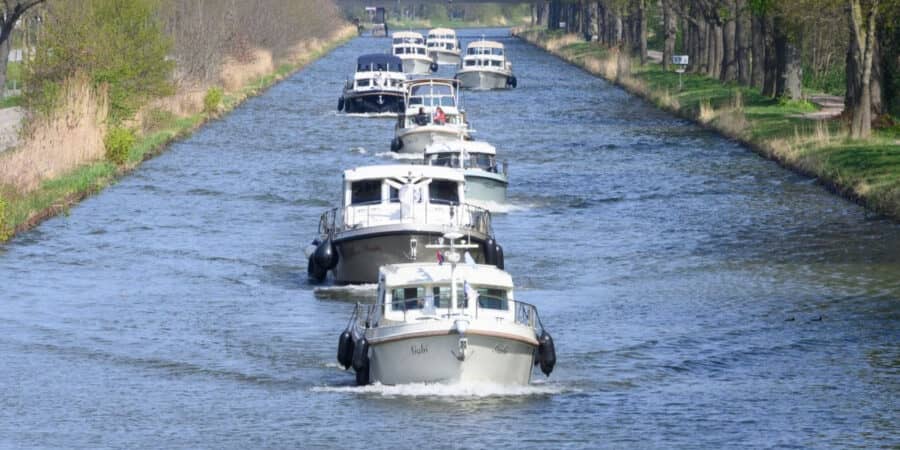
(699,295)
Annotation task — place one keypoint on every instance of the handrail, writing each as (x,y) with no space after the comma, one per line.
(524,313)
(464,216)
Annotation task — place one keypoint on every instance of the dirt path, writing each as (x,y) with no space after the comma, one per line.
(832,106)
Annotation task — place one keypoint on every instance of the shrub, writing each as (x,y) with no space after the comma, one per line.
(212,100)
(118,43)
(157,119)
(118,143)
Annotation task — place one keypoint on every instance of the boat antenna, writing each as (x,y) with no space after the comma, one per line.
(452,255)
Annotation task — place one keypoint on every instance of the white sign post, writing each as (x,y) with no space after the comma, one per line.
(681,63)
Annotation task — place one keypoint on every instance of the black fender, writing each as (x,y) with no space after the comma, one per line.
(433,66)
(499,257)
(546,353)
(326,255)
(396,144)
(361,361)
(341,104)
(345,349)
(490,252)
(314,272)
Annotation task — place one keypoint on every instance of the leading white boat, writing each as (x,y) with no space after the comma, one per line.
(485,66)
(454,323)
(410,47)
(486,177)
(432,115)
(443,46)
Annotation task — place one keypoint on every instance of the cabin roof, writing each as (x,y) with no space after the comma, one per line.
(457,146)
(434,273)
(403,170)
(441,31)
(406,34)
(484,44)
(379,58)
(418,81)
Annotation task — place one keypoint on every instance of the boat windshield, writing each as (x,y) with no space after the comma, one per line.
(481,161)
(409,50)
(484,51)
(422,297)
(365,192)
(444,192)
(408,40)
(483,62)
(432,95)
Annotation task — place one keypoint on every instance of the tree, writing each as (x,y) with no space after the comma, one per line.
(859,67)
(11,14)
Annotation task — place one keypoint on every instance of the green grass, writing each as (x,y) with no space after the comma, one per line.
(9,102)
(867,169)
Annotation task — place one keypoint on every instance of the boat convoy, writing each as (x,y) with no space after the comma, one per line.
(445,309)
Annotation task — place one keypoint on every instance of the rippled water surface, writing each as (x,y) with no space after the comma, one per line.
(699,295)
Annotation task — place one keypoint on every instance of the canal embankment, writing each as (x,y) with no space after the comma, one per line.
(799,135)
(62,158)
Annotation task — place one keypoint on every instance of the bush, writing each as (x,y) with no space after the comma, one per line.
(118,144)
(119,43)
(157,119)
(5,231)
(213,99)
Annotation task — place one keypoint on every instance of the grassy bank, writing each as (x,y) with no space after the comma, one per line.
(867,171)
(417,24)
(22,211)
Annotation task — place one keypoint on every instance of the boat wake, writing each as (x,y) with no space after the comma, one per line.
(499,208)
(401,156)
(350,292)
(454,391)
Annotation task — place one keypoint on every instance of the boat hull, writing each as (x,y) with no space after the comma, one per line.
(359,257)
(446,58)
(416,139)
(417,66)
(373,102)
(484,189)
(432,359)
(483,79)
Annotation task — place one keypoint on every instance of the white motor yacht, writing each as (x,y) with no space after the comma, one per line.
(410,47)
(454,322)
(443,46)
(486,178)
(376,87)
(389,214)
(485,66)
(432,115)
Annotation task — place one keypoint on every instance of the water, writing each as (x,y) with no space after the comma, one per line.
(699,295)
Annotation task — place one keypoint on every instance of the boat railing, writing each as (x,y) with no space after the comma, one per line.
(462,216)
(439,307)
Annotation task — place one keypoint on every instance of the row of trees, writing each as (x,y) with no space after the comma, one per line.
(842,45)
(141,49)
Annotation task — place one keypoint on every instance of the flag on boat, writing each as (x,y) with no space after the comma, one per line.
(471,293)
(440,257)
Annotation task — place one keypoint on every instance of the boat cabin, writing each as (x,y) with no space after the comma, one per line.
(464,155)
(429,94)
(442,39)
(485,54)
(377,72)
(389,194)
(412,292)
(408,43)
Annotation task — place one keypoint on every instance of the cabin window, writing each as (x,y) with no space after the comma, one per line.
(394,195)
(444,192)
(470,62)
(420,51)
(365,192)
(441,296)
(497,51)
(398,51)
(492,299)
(483,161)
(363,82)
(406,298)
(444,160)
(495,63)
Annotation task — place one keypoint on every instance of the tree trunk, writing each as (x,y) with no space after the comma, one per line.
(742,42)
(758,59)
(863,48)
(553,14)
(669,29)
(729,31)
(642,30)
